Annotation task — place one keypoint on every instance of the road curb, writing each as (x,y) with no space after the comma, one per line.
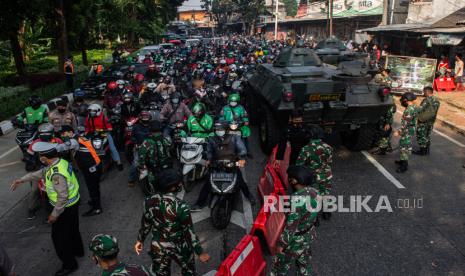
(453,105)
(450,125)
(6,126)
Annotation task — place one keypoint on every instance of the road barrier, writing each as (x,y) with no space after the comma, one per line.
(444,84)
(245,260)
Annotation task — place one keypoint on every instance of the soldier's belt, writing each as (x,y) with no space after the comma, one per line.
(301,233)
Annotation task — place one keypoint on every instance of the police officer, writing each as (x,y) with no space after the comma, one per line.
(169,221)
(154,155)
(88,162)
(105,251)
(427,112)
(294,244)
(62,116)
(62,189)
(407,130)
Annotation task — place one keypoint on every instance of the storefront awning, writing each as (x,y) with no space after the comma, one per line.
(446,39)
(395,28)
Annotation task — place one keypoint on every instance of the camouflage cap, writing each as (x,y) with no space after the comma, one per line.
(104,245)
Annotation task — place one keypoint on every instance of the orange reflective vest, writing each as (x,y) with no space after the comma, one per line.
(89,148)
(99,68)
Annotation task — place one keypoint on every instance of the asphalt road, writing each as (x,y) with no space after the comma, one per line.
(423,235)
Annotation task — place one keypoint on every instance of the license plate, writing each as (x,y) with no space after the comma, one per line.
(324,97)
(222,177)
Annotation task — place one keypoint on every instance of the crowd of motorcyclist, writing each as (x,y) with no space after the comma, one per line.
(186,92)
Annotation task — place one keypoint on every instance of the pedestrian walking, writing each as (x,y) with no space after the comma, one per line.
(407,130)
(62,189)
(427,112)
(69,73)
(169,220)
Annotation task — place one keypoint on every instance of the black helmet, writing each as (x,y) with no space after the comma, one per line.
(300,175)
(169,178)
(35,101)
(407,97)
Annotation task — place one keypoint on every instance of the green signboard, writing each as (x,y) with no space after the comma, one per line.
(411,74)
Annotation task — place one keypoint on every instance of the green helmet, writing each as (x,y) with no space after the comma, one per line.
(230,54)
(234,98)
(198,109)
(104,245)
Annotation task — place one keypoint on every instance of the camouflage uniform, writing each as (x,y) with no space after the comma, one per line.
(173,237)
(407,130)
(318,156)
(424,129)
(107,245)
(154,154)
(297,237)
(386,119)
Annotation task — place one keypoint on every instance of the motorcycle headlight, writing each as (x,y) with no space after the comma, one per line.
(97,143)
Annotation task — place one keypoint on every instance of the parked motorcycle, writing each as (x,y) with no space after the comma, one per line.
(191,157)
(223,181)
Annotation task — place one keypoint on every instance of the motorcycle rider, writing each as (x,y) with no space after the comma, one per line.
(79,108)
(174,111)
(224,146)
(152,73)
(220,78)
(140,132)
(166,87)
(112,96)
(129,108)
(129,76)
(209,74)
(96,121)
(62,116)
(46,134)
(151,95)
(154,155)
(199,124)
(35,113)
(236,112)
(138,84)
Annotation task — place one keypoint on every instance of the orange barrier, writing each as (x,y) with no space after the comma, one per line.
(246,259)
(269,224)
(444,84)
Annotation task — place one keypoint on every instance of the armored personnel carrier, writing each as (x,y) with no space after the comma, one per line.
(299,88)
(333,51)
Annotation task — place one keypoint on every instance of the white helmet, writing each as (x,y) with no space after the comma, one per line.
(151,86)
(223,62)
(120,83)
(94,110)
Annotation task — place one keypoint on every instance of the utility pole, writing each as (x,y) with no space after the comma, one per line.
(276,21)
(385,12)
(330,18)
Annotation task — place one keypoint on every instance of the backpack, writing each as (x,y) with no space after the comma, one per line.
(427,114)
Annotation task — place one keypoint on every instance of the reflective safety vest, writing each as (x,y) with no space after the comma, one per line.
(65,169)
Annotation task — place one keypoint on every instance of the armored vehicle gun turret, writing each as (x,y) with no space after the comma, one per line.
(333,51)
(299,87)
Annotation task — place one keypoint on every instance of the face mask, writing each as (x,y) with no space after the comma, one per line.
(209,70)
(220,133)
(61,110)
(175,101)
(233,104)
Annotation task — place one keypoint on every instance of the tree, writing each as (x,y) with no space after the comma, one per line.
(291,7)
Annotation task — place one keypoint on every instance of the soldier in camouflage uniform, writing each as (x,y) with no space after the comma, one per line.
(154,155)
(294,244)
(169,221)
(318,156)
(407,130)
(385,130)
(424,128)
(105,254)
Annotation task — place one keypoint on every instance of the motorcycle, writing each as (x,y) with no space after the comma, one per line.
(223,181)
(128,142)
(191,157)
(100,143)
(154,108)
(115,120)
(24,138)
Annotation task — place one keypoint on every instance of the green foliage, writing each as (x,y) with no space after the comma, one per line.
(291,7)
(35,45)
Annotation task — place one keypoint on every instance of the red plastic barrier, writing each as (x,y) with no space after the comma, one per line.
(271,182)
(270,225)
(444,84)
(246,259)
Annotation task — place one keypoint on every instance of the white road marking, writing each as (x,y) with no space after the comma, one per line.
(382,170)
(248,216)
(200,216)
(9,164)
(9,151)
(444,135)
(449,138)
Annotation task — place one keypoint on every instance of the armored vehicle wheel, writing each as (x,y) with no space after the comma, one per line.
(360,139)
(252,107)
(269,131)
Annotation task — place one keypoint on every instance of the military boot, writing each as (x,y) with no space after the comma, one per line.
(421,151)
(379,151)
(398,162)
(403,167)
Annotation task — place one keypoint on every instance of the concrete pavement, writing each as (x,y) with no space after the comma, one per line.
(407,241)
